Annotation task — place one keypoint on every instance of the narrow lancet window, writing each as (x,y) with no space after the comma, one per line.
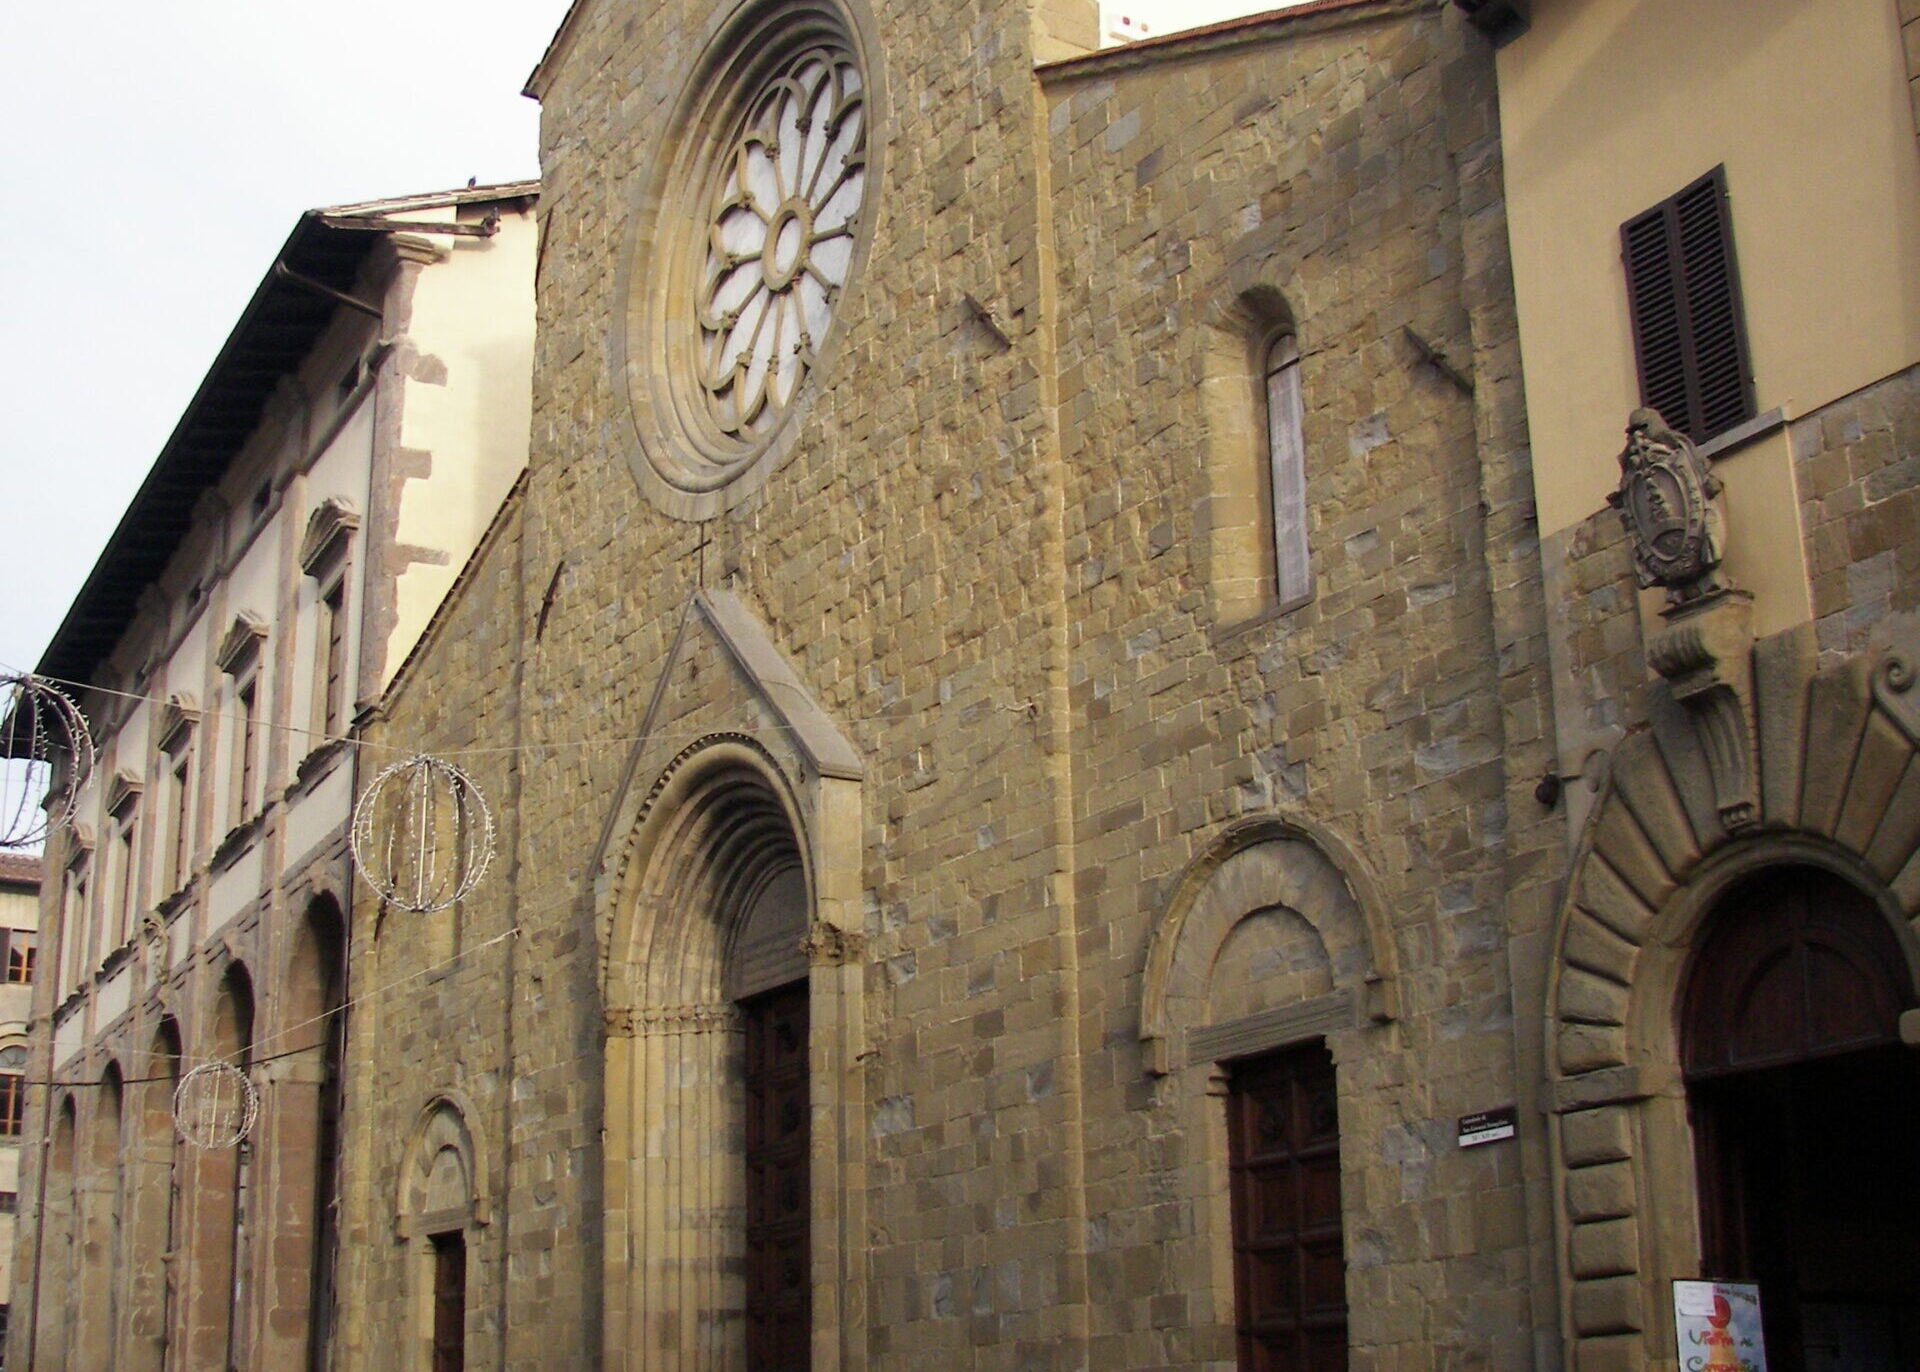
(1286,457)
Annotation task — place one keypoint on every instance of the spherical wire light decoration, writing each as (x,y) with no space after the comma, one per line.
(214,1106)
(422,834)
(39,724)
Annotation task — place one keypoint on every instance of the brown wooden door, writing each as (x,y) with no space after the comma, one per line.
(1290,1290)
(449,1302)
(779,1293)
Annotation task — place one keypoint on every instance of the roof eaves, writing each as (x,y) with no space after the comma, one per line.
(436,200)
(20,869)
(557,47)
(160,512)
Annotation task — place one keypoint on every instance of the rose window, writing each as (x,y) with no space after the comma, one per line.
(782,239)
(747,244)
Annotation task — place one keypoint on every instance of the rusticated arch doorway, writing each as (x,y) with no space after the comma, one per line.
(1805,1107)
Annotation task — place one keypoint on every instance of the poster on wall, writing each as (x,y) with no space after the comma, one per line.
(1716,1325)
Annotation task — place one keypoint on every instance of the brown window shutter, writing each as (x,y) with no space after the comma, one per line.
(1683,290)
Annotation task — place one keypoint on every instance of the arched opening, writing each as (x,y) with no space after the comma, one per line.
(1256,512)
(58,1263)
(217,1220)
(151,1199)
(302,1132)
(98,1212)
(1267,968)
(440,1207)
(1805,1105)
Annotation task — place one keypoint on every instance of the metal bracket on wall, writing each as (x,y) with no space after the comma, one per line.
(1437,360)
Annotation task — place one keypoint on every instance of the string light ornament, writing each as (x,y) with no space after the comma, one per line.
(214,1106)
(39,723)
(422,834)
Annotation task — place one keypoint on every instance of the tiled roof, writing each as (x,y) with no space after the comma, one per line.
(20,868)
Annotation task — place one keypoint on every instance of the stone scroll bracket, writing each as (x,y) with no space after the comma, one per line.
(1706,656)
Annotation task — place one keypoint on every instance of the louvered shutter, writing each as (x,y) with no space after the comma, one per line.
(1689,335)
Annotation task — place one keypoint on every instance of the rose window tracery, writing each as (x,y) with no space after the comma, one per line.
(782,238)
(747,245)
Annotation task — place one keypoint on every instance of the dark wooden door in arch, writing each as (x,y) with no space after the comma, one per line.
(1806,1115)
(1288,1242)
(779,1191)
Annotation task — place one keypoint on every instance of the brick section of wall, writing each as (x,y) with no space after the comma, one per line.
(1595,610)
(1857,464)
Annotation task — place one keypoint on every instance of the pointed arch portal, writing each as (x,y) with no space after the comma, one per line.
(728,889)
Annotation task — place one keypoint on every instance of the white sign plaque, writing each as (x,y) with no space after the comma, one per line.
(1716,1327)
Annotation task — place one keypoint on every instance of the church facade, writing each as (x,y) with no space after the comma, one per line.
(1013,694)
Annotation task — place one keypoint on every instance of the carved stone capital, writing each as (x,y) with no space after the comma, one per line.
(648,1021)
(1706,655)
(828,945)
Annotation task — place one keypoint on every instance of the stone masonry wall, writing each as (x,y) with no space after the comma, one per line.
(986,562)
(437,1001)
(1346,166)
(1857,464)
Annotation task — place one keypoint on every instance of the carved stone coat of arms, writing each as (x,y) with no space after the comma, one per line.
(1665,499)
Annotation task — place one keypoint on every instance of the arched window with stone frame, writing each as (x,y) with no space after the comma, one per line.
(1286,452)
(13,1086)
(1257,523)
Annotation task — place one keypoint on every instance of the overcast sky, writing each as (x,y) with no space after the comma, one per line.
(157,156)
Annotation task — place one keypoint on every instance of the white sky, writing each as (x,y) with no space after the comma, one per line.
(158,154)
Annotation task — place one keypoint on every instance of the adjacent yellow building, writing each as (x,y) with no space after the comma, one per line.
(1715,212)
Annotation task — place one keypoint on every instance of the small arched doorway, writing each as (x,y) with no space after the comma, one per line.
(1805,1108)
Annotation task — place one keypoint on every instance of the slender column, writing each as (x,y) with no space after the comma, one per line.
(684,1290)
